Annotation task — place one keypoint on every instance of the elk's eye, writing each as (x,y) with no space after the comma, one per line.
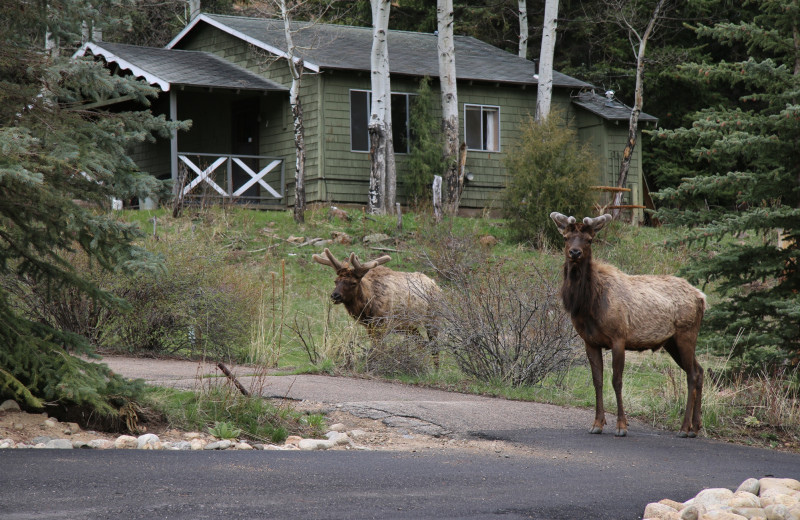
(590,240)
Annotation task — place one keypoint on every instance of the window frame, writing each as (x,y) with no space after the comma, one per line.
(406,96)
(483,110)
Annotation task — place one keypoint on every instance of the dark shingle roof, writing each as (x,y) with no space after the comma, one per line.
(167,67)
(326,46)
(611,110)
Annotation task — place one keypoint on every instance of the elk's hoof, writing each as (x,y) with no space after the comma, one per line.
(683,435)
(621,433)
(596,429)
(692,435)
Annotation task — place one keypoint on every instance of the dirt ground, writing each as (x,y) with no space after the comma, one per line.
(22,427)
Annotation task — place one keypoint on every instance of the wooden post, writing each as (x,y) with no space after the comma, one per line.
(399,217)
(233,379)
(437,198)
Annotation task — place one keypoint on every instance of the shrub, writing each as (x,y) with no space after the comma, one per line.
(425,157)
(506,327)
(548,171)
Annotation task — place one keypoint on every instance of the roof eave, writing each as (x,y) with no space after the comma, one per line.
(110,57)
(252,41)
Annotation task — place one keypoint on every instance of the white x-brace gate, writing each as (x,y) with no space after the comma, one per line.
(230,191)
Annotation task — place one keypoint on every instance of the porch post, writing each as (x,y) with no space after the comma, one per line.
(173,141)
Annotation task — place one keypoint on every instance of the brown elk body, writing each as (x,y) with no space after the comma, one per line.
(382,299)
(613,310)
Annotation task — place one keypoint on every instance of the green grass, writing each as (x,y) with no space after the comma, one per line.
(291,293)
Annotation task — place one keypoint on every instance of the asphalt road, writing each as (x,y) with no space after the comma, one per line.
(567,474)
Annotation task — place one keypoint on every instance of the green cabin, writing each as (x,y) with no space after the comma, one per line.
(229,76)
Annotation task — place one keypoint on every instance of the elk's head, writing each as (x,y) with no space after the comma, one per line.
(578,236)
(348,274)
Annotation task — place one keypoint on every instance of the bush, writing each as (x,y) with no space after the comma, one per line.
(506,327)
(425,157)
(548,171)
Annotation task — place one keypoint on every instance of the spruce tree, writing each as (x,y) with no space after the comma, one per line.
(742,197)
(61,162)
(425,156)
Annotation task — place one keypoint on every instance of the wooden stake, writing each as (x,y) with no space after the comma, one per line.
(233,379)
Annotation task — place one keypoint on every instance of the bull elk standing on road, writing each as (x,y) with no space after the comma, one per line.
(382,299)
(613,310)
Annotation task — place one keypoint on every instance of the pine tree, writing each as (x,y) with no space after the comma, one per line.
(61,162)
(425,156)
(743,195)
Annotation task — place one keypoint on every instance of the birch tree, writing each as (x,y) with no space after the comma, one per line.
(382,179)
(296,69)
(447,82)
(544,90)
(523,28)
(625,17)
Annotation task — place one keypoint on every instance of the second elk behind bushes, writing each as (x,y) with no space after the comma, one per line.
(506,327)
(384,300)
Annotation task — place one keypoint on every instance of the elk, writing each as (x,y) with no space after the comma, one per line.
(382,299)
(613,310)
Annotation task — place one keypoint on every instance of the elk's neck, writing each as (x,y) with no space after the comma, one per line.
(360,306)
(578,293)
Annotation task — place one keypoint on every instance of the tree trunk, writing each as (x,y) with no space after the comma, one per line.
(447,81)
(296,70)
(523,29)
(544,91)
(380,117)
(633,121)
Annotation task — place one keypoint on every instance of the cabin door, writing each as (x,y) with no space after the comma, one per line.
(245,141)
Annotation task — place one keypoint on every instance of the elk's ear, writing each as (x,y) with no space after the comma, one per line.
(562,221)
(598,223)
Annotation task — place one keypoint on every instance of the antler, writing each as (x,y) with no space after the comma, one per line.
(330,260)
(358,266)
(597,223)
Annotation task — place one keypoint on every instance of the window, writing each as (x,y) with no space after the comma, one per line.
(360,110)
(482,127)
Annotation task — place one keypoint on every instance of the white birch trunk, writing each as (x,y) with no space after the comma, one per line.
(296,70)
(447,82)
(523,29)
(544,91)
(633,121)
(380,135)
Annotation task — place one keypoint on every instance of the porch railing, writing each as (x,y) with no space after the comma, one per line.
(233,178)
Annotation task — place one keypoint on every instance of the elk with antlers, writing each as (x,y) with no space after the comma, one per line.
(382,299)
(613,310)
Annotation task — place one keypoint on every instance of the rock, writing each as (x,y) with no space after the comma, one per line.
(750,485)
(357,434)
(340,237)
(720,514)
(219,445)
(7,443)
(750,512)
(338,438)
(197,444)
(41,439)
(80,445)
(488,241)
(376,238)
(148,441)
(59,444)
(292,439)
(52,422)
(18,426)
(744,499)
(101,444)
(770,482)
(777,512)
(338,427)
(181,445)
(693,512)
(9,405)
(656,511)
(713,497)
(316,444)
(126,442)
(242,446)
(71,428)
(192,435)
(677,506)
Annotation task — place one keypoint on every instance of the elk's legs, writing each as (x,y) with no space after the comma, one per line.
(596,363)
